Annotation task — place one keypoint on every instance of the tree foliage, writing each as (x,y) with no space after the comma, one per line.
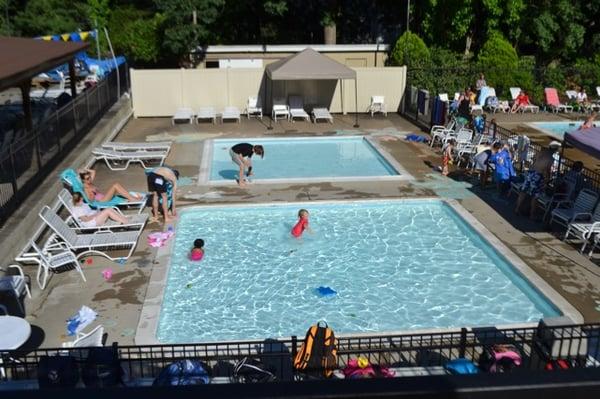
(500,60)
(46,17)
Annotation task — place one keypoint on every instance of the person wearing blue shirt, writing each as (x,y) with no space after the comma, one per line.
(504,170)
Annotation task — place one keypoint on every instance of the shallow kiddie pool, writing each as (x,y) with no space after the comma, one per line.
(303,159)
(394,265)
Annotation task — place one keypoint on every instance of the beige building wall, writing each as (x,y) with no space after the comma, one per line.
(160,92)
(351,59)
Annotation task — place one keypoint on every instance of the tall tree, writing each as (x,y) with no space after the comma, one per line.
(181,34)
(46,17)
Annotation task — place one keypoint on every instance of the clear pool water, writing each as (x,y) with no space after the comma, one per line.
(557,129)
(395,265)
(297,158)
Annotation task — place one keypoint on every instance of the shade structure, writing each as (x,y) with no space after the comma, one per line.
(586,140)
(311,65)
(24,58)
(308,64)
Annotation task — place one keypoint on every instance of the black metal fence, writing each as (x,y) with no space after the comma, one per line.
(539,348)
(26,157)
(420,107)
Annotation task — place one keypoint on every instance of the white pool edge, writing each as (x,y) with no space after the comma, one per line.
(207,155)
(150,314)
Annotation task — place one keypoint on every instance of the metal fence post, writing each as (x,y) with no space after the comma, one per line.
(463,342)
(74,116)
(294,346)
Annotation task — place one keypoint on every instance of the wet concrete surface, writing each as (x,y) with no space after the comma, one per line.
(118,301)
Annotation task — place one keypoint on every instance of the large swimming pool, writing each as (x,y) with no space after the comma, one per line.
(557,129)
(395,265)
(303,159)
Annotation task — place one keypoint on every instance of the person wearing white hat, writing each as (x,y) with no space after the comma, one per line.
(536,177)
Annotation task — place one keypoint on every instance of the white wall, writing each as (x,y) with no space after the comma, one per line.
(160,92)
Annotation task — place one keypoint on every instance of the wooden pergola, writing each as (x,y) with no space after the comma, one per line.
(23,59)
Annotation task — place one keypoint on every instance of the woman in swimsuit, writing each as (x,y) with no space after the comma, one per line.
(93,193)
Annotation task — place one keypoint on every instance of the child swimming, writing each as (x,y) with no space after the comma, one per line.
(302,223)
(197,253)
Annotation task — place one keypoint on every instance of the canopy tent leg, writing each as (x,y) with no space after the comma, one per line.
(270,85)
(356,103)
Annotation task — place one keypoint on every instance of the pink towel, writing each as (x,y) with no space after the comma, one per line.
(159,239)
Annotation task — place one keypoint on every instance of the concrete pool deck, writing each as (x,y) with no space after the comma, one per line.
(119,300)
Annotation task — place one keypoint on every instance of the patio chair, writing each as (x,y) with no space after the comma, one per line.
(120,160)
(230,113)
(207,113)
(439,132)
(15,284)
(148,146)
(97,243)
(549,201)
(71,178)
(463,136)
(297,108)
(52,261)
(553,101)
(584,228)
(570,211)
(66,199)
(377,105)
(183,115)
(571,95)
(253,107)
(444,97)
(280,109)
(94,338)
(321,113)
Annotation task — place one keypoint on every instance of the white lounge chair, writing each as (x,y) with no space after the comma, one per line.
(92,339)
(98,243)
(16,284)
(207,113)
(377,105)
(253,107)
(439,132)
(444,97)
(571,95)
(567,212)
(149,146)
(120,160)
(514,92)
(51,261)
(280,109)
(135,220)
(321,113)
(183,115)
(230,113)
(585,228)
(297,108)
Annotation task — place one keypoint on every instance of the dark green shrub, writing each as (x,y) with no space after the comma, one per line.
(498,61)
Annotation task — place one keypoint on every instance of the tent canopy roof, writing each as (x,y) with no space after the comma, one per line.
(587,140)
(309,65)
(24,58)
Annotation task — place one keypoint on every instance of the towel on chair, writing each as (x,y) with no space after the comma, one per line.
(81,320)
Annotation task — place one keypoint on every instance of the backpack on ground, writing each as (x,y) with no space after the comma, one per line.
(102,368)
(57,372)
(183,372)
(251,370)
(317,356)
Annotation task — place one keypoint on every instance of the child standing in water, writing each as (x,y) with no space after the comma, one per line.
(197,253)
(302,223)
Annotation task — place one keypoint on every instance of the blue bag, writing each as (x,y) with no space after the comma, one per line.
(461,366)
(182,372)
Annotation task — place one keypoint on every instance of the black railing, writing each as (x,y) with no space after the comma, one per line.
(577,346)
(26,157)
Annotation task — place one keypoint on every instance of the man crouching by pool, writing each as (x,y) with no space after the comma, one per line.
(241,155)
(158,179)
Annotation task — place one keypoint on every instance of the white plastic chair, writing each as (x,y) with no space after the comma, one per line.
(91,339)
(207,113)
(17,284)
(567,212)
(321,113)
(280,109)
(230,113)
(252,107)
(183,114)
(377,105)
(297,108)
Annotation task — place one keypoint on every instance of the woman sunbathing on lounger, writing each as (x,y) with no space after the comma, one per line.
(90,218)
(93,193)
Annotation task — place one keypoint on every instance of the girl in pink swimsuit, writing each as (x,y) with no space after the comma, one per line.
(197,253)
(302,223)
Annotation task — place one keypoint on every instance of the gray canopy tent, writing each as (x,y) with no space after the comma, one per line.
(311,65)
